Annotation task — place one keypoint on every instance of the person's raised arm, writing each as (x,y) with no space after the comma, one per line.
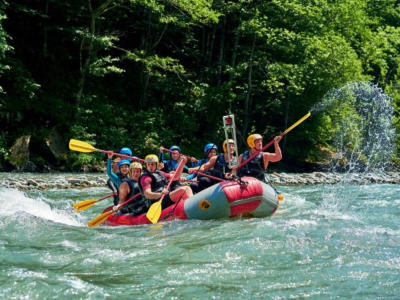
(114,178)
(274,157)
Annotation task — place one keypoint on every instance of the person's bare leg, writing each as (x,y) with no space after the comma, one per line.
(184,192)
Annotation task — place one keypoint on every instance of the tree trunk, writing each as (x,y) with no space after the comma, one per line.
(84,66)
(234,55)
(144,74)
(221,52)
(46,11)
(285,125)
(202,60)
(211,48)
(248,100)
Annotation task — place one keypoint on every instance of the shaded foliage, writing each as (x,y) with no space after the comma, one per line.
(146,73)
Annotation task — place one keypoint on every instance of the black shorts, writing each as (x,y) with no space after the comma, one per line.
(167,202)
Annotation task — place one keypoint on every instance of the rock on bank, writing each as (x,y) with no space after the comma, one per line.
(65,181)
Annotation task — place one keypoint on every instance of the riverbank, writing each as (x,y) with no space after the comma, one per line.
(30,181)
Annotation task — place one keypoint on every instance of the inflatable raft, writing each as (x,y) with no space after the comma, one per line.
(226,199)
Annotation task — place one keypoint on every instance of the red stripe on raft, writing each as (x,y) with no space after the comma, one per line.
(167,214)
(244,207)
(235,191)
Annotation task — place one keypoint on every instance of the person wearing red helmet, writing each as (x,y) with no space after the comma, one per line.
(256,167)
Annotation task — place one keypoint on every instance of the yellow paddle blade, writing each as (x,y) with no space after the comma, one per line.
(154,212)
(100,219)
(80,146)
(298,122)
(83,205)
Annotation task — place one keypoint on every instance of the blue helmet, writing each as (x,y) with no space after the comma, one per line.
(175,148)
(124,162)
(126,151)
(210,146)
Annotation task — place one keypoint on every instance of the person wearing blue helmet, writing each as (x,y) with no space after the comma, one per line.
(126,151)
(118,177)
(219,163)
(170,165)
(210,150)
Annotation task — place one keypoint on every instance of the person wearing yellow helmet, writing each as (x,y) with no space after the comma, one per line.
(153,183)
(256,167)
(130,188)
(219,163)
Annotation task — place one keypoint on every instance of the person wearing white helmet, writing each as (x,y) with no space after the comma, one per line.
(153,183)
(130,188)
(256,167)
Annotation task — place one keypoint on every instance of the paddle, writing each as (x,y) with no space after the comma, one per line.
(87,203)
(100,219)
(271,142)
(209,176)
(188,180)
(188,157)
(154,212)
(87,148)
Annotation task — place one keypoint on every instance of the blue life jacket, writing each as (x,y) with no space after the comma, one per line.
(172,165)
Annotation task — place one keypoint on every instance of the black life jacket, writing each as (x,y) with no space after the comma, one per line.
(133,187)
(158,183)
(221,167)
(254,168)
(138,205)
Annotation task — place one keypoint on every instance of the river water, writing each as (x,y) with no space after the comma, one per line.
(331,241)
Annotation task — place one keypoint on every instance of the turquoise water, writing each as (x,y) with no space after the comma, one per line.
(324,242)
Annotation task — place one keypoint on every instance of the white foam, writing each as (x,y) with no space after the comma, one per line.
(13,201)
(300,223)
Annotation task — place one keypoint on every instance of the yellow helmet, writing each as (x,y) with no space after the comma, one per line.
(252,138)
(230,141)
(151,158)
(135,165)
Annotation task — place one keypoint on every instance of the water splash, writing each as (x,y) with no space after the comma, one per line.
(362,117)
(15,202)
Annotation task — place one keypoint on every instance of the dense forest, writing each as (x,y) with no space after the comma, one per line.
(146,73)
